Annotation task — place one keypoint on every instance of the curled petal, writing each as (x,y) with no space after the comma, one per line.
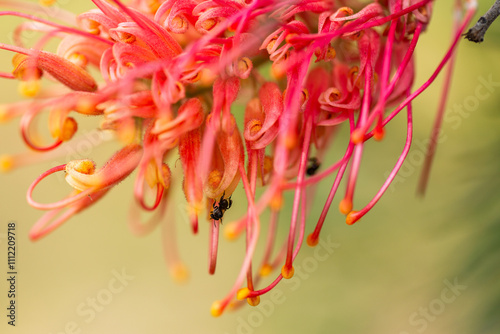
(81,176)
(82,50)
(64,71)
(179,15)
(262,118)
(212,12)
(189,117)
(155,176)
(161,43)
(229,148)
(95,22)
(368,12)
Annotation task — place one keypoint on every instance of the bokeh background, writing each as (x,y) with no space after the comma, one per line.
(386,274)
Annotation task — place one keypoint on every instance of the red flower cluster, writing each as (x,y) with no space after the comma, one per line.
(170,73)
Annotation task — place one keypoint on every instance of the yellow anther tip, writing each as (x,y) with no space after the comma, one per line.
(254,126)
(69,129)
(179,273)
(276,202)
(126,135)
(287,272)
(278,71)
(6,163)
(214,178)
(29,88)
(165,176)
(231,232)
(78,59)
(242,293)
(312,240)
(47,2)
(331,53)
(352,217)
(357,136)
(291,140)
(216,309)
(86,166)
(151,174)
(345,206)
(85,106)
(265,270)
(253,301)
(208,24)
(4,114)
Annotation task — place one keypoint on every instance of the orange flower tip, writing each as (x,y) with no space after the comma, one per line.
(231,231)
(331,53)
(78,59)
(7,163)
(151,175)
(289,37)
(344,11)
(352,217)
(278,71)
(345,206)
(165,175)
(47,3)
(244,67)
(357,35)
(253,301)
(357,136)
(207,77)
(214,178)
(69,128)
(208,24)
(254,126)
(304,96)
(179,24)
(265,270)
(243,293)
(153,6)
(87,106)
(217,308)
(4,114)
(291,141)
(29,88)
(126,37)
(353,71)
(312,240)
(276,202)
(233,305)
(287,271)
(127,135)
(379,133)
(268,164)
(179,273)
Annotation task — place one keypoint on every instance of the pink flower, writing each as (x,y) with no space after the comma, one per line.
(170,72)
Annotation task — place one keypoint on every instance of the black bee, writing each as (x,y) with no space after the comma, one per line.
(313,166)
(219,210)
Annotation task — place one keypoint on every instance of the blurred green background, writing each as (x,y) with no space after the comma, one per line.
(386,274)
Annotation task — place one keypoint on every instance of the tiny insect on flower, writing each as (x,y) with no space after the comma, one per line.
(219,210)
(313,166)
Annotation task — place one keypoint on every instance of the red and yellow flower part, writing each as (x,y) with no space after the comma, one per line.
(164,75)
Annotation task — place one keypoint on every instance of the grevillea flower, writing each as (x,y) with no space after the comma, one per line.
(164,75)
